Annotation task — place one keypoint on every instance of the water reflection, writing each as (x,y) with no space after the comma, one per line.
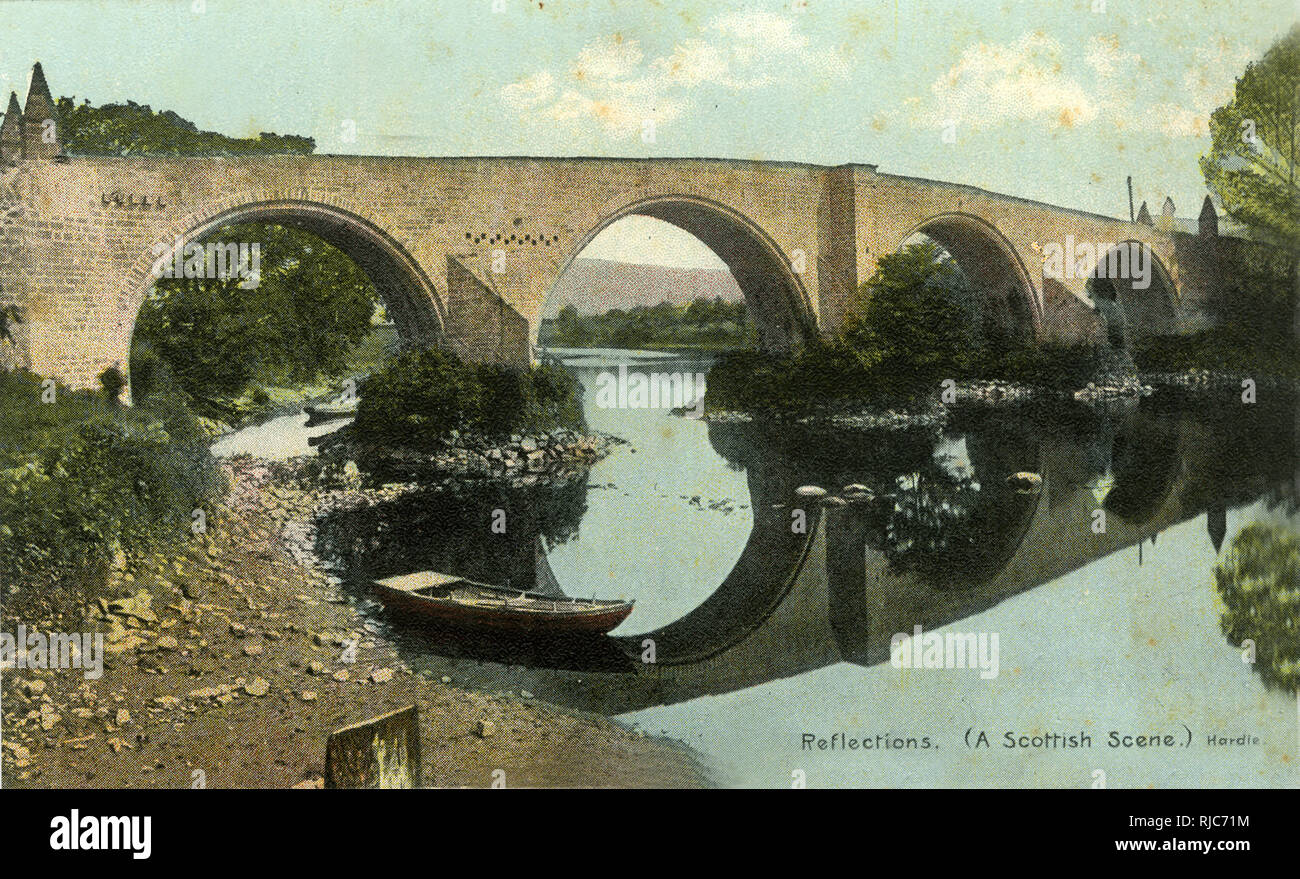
(937,535)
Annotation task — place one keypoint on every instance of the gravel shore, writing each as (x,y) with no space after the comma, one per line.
(230,664)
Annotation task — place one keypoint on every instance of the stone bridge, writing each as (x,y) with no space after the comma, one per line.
(464,251)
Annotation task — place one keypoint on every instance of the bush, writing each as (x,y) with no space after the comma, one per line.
(918,316)
(1053,365)
(822,373)
(82,478)
(420,396)
(1258,582)
(112,382)
(1224,349)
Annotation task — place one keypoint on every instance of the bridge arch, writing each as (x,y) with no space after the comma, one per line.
(409,296)
(1148,311)
(778,301)
(991,263)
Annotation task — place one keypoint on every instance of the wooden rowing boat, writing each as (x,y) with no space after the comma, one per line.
(444,598)
(322,413)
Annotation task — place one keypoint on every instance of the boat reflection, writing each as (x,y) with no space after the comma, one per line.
(935,534)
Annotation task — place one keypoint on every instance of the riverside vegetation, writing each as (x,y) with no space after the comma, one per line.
(98,499)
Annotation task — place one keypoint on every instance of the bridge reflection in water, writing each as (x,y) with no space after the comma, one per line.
(939,535)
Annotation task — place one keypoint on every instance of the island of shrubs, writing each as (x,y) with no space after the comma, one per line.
(416,399)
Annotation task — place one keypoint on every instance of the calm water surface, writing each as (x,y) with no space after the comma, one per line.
(767,640)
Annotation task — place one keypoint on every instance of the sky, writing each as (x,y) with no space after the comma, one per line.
(1053,101)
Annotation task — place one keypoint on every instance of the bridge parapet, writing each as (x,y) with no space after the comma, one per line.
(468,249)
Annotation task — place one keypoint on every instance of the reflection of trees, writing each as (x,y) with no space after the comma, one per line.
(930,530)
(952,526)
(1259,582)
(1145,461)
(449,530)
(956,528)
(1248,451)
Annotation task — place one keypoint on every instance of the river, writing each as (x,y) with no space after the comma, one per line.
(772,647)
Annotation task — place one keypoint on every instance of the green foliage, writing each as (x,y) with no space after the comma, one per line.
(704,323)
(418,397)
(133,129)
(916,317)
(112,382)
(756,381)
(908,328)
(1259,583)
(1256,178)
(1259,298)
(82,478)
(1226,348)
(213,336)
(1052,365)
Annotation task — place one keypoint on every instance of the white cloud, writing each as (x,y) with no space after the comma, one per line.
(1207,84)
(1107,59)
(607,60)
(758,32)
(1022,81)
(1030,80)
(692,63)
(530,92)
(611,84)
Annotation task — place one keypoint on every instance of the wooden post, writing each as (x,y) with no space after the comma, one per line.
(383,752)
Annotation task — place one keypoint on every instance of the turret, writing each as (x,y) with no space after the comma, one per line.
(1144,215)
(1208,223)
(40,120)
(1167,215)
(11,132)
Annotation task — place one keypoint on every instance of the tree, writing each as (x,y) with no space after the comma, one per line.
(1251,165)
(311,303)
(1259,584)
(133,129)
(915,315)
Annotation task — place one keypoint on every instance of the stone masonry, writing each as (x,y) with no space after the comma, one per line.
(465,250)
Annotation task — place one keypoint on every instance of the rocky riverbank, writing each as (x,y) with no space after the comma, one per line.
(229,664)
(519,460)
(1117,387)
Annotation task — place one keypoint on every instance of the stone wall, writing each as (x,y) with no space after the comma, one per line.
(467,249)
(482,326)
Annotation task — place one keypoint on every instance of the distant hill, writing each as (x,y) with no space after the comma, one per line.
(594,286)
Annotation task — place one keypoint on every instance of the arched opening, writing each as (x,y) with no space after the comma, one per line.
(1004,301)
(639,314)
(300,279)
(1132,289)
(776,302)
